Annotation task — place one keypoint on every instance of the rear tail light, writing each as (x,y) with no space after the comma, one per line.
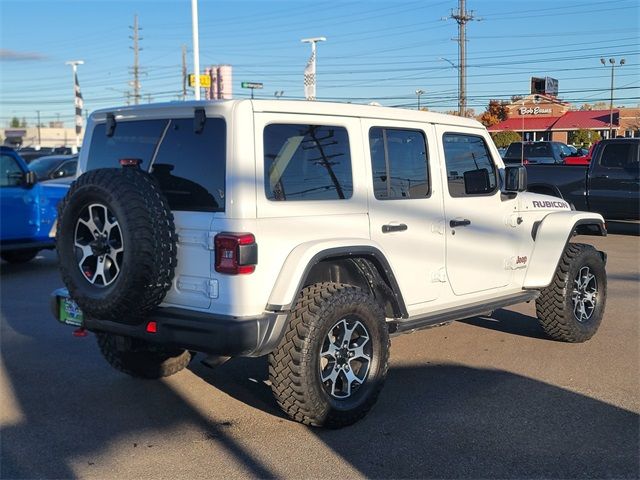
(236,253)
(525,162)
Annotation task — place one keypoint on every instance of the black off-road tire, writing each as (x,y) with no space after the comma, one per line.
(140,359)
(294,367)
(555,306)
(148,259)
(19,256)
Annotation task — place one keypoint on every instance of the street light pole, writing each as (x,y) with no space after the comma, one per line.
(39,138)
(612,61)
(418,93)
(196,47)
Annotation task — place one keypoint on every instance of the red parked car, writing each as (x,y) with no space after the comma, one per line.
(583,160)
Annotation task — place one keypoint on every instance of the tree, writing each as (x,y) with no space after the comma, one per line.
(15,122)
(505,138)
(595,106)
(495,113)
(470,113)
(584,137)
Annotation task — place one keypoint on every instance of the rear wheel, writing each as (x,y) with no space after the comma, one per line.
(19,256)
(141,359)
(571,308)
(332,362)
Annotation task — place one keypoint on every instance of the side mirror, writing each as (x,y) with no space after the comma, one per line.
(515,179)
(476,182)
(30,179)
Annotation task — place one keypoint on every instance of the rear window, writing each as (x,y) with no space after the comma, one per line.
(531,150)
(618,155)
(190,167)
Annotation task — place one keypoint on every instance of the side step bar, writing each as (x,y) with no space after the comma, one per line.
(448,315)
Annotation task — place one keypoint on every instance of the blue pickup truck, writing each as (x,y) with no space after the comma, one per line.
(28,209)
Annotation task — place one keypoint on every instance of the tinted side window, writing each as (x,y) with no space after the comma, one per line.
(191,167)
(307,162)
(10,172)
(514,150)
(398,163)
(617,155)
(68,169)
(470,170)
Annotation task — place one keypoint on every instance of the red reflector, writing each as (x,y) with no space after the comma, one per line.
(236,253)
(130,162)
(152,327)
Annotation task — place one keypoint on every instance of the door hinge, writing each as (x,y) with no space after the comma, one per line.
(208,288)
(211,240)
(439,276)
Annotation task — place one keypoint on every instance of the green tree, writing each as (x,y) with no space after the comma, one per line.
(505,138)
(584,137)
(15,122)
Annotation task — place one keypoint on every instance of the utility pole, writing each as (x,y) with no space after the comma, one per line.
(136,60)
(462,17)
(184,72)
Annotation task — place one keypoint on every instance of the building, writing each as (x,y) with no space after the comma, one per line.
(42,137)
(545,117)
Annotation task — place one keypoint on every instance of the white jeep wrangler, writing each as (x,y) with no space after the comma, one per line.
(310,232)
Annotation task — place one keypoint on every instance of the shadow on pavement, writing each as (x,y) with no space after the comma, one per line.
(508,321)
(431,421)
(453,421)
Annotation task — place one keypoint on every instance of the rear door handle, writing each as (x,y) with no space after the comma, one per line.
(459,223)
(394,228)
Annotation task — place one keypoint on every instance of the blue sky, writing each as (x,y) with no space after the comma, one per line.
(375,50)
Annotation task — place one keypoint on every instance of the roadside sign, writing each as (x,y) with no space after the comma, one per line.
(205,81)
(251,85)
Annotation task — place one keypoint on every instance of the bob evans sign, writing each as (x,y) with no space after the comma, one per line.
(533,111)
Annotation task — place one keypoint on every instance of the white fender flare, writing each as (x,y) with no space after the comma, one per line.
(551,237)
(302,258)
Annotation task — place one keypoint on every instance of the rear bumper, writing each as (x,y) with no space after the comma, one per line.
(196,331)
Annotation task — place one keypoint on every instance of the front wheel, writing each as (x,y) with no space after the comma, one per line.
(570,309)
(332,362)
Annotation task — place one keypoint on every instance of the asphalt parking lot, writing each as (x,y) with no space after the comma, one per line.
(481,398)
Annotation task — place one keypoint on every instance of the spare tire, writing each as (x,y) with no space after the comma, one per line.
(116,244)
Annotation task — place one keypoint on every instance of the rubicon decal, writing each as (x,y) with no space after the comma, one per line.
(550,204)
